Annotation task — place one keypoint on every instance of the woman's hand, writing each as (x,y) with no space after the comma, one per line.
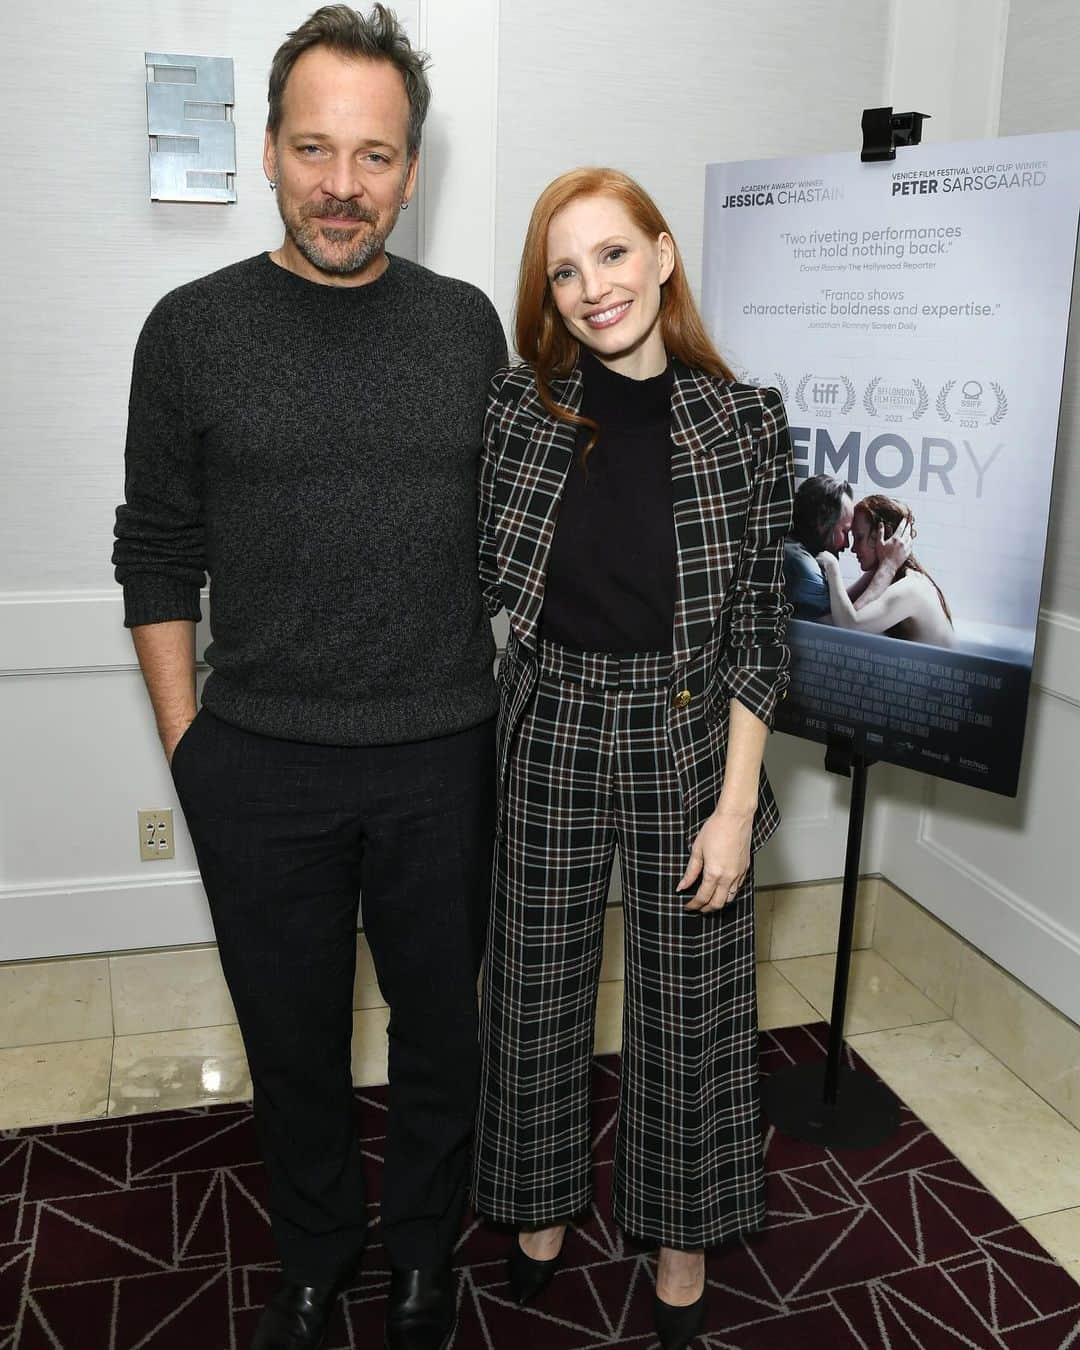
(896,550)
(721,857)
(829,564)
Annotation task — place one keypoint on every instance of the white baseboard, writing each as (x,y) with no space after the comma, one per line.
(120,914)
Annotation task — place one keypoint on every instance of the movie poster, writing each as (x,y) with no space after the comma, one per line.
(913,314)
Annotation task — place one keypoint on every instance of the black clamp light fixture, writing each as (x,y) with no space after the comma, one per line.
(883,130)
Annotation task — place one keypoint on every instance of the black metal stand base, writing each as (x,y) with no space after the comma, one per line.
(864,1113)
(826,1102)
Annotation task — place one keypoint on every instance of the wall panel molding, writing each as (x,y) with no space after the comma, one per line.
(999,871)
(108,915)
(44,632)
(947,59)
(1057,656)
(457,222)
(975,876)
(1015,933)
(68,632)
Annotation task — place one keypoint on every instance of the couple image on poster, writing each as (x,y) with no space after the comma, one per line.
(334,435)
(894,594)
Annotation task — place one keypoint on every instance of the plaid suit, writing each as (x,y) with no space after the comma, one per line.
(595,750)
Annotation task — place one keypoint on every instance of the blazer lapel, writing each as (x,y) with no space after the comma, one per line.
(532,476)
(710,473)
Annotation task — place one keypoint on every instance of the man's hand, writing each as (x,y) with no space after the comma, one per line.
(171,737)
(721,857)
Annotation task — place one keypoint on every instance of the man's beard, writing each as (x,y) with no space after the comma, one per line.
(362,246)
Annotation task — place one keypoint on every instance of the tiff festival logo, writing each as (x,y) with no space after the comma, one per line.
(825,395)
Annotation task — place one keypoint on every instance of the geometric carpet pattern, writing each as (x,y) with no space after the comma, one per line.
(152,1232)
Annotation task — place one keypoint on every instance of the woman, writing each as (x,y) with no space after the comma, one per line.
(912,606)
(633,506)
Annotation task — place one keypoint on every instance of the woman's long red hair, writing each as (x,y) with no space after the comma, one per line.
(888,511)
(541,337)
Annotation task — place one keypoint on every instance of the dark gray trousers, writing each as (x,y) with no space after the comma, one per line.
(287,834)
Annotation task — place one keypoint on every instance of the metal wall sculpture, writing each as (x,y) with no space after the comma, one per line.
(189,101)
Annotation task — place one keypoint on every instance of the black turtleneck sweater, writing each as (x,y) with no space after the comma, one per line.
(611,574)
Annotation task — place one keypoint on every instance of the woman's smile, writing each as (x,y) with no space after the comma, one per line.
(606,318)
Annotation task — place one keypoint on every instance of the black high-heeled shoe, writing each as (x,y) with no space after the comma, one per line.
(526,1276)
(677,1327)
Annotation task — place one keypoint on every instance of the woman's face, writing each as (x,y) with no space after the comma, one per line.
(863,532)
(605,277)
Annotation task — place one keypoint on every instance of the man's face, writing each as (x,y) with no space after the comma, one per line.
(840,538)
(341,164)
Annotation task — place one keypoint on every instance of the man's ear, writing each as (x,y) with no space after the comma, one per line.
(269,156)
(408,187)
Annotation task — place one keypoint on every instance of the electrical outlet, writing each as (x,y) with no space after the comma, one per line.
(156,835)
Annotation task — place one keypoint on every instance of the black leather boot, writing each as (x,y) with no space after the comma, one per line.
(421,1312)
(296,1318)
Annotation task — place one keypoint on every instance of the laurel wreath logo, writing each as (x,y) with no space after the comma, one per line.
(849,402)
(782,385)
(849,394)
(920,407)
(1000,411)
(941,404)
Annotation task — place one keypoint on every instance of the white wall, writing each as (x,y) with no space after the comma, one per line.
(522,92)
(661,91)
(86,256)
(1041,92)
(89,253)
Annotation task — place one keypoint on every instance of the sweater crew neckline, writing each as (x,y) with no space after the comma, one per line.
(274,273)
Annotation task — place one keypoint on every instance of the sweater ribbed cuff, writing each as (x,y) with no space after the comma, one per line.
(151,598)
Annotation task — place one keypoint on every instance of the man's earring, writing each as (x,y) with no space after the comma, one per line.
(405,204)
(271,183)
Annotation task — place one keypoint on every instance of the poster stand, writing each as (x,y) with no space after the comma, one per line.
(830,1104)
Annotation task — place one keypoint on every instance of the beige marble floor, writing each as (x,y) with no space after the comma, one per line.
(1018,1145)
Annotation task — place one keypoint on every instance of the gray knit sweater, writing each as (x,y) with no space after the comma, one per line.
(314,449)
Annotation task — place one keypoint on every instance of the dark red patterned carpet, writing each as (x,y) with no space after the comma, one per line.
(151,1232)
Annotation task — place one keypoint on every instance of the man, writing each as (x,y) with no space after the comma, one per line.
(305,427)
(824,510)
(822,520)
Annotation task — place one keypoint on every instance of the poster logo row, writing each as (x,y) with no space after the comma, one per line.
(971,403)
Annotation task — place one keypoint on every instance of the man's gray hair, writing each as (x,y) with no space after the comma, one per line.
(818,504)
(379,37)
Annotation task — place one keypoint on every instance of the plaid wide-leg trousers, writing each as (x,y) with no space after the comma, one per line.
(590,768)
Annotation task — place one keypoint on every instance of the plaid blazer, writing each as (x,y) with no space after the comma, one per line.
(732,481)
